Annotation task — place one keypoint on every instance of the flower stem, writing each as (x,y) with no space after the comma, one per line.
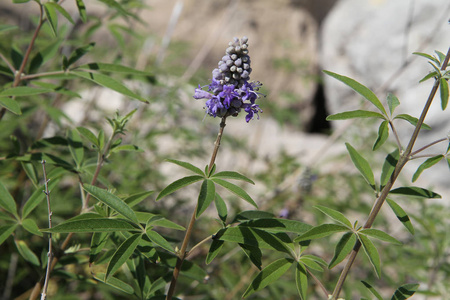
(384,193)
(182,254)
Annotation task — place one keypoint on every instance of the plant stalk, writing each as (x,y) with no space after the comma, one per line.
(50,250)
(182,253)
(405,156)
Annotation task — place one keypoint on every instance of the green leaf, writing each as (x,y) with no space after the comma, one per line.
(133,148)
(301,280)
(116,6)
(335,215)
(254,254)
(362,165)
(82,10)
(37,197)
(360,89)
(110,83)
(235,190)
(251,215)
(115,283)
(187,165)
(79,53)
(343,248)
(415,192)
(413,121)
(221,207)
(6,231)
(429,76)
(443,88)
(88,135)
(276,225)
(7,201)
(381,235)
(393,102)
(254,237)
(320,231)
(401,215)
(405,291)
(159,240)
(232,175)
(6,27)
(98,242)
(122,253)
(388,167)
(31,172)
(355,114)
(61,10)
(21,91)
(26,253)
(11,105)
(372,290)
(135,199)
(52,18)
(214,250)
(92,225)
(371,252)
(113,68)
(427,56)
(31,226)
(112,201)
(311,264)
(205,197)
(178,184)
(425,165)
(75,147)
(268,275)
(383,134)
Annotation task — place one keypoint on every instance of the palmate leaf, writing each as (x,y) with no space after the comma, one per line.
(371,252)
(415,192)
(381,235)
(122,253)
(188,166)
(405,291)
(92,225)
(335,215)
(355,114)
(11,105)
(312,262)
(232,175)
(383,134)
(320,231)
(178,184)
(343,248)
(301,280)
(443,89)
(401,215)
(268,275)
(425,165)
(235,190)
(205,197)
(112,201)
(362,165)
(31,226)
(412,120)
(427,56)
(137,198)
(360,89)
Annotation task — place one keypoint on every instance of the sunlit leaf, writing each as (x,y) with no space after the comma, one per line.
(427,56)
(232,175)
(205,197)
(405,291)
(335,215)
(178,184)
(443,88)
(301,280)
(393,102)
(355,114)
(221,207)
(235,190)
(188,166)
(401,215)
(412,120)
(268,275)
(425,165)
(112,201)
(93,225)
(159,240)
(383,134)
(320,231)
(122,253)
(416,192)
(388,167)
(371,252)
(362,165)
(360,89)
(343,248)
(372,290)
(254,254)
(381,235)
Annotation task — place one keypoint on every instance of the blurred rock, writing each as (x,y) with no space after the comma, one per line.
(372,40)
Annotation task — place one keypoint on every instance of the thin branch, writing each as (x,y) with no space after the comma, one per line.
(428,146)
(50,250)
(37,75)
(397,139)
(10,66)
(318,283)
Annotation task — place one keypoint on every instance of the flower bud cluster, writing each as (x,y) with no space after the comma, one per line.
(230,90)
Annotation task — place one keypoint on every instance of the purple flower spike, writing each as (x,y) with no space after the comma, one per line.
(230,90)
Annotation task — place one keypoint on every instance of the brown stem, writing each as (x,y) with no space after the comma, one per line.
(182,254)
(379,202)
(428,146)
